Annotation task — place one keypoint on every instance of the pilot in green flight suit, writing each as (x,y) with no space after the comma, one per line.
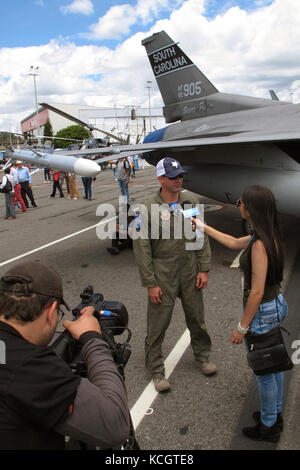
(169,270)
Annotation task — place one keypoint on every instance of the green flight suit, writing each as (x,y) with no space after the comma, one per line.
(168,264)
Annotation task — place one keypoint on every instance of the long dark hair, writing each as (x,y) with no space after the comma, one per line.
(261,205)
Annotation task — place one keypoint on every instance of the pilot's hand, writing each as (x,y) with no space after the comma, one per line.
(202,280)
(86,322)
(155,294)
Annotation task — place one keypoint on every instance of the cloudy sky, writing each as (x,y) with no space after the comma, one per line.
(89,51)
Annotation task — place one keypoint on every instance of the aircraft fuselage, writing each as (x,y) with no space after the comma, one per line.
(223,171)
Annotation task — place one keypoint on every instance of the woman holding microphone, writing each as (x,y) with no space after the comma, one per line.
(264,306)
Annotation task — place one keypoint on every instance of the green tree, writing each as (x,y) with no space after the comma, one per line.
(48,130)
(71,132)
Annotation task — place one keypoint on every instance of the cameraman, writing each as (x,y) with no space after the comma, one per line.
(41,400)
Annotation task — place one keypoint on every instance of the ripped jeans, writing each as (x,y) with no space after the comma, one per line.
(270,386)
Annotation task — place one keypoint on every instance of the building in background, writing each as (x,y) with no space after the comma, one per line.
(134,120)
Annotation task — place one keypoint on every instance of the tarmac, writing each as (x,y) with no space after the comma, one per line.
(290,439)
(199,413)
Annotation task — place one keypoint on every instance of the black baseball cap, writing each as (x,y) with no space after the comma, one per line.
(37,277)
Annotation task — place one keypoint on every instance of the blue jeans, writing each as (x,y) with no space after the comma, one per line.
(87,183)
(124,189)
(270,386)
(47,174)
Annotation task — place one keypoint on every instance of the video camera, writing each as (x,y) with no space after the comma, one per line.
(113,320)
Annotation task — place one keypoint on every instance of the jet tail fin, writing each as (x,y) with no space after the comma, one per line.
(182,85)
(273,95)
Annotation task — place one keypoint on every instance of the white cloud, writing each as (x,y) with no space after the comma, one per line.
(85,7)
(119,18)
(114,24)
(240,52)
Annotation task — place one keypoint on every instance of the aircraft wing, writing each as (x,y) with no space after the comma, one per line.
(120,155)
(117,152)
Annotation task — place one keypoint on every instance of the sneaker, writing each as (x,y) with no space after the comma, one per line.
(161,384)
(279,422)
(260,432)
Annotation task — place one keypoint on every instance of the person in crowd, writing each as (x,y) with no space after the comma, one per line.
(17,197)
(9,180)
(123,175)
(56,185)
(262,264)
(73,191)
(47,177)
(87,184)
(122,239)
(25,181)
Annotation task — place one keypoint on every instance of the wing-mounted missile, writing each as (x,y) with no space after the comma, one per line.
(79,166)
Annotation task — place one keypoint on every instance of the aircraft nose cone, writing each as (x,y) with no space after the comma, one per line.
(84,167)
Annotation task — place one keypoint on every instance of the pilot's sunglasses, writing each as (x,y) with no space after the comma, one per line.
(175,178)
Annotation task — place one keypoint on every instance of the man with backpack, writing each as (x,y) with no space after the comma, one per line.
(7,187)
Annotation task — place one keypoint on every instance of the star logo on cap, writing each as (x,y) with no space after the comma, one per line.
(175,164)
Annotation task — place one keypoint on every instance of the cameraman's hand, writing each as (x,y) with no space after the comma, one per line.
(86,322)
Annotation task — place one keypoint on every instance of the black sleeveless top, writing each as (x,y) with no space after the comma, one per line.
(270,292)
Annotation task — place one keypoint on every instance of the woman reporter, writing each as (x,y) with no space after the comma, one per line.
(264,306)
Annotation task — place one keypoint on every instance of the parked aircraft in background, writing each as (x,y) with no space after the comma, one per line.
(88,126)
(224,141)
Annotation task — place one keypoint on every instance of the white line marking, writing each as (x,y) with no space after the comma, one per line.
(56,241)
(143,404)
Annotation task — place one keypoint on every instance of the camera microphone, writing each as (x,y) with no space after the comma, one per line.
(108,313)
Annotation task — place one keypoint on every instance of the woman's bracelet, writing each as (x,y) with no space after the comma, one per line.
(241,329)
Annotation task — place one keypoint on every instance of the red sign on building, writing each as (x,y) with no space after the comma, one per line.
(30,123)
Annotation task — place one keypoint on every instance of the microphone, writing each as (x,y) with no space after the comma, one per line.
(188,213)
